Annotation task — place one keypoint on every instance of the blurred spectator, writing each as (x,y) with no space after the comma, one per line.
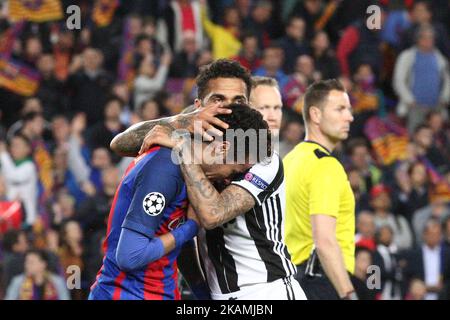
(63,51)
(365,231)
(32,50)
(359,45)
(360,158)
(363,260)
(430,262)
(151,110)
(37,283)
(93,215)
(293,43)
(101,134)
(51,90)
(437,209)
(263,22)
(291,135)
(249,55)
(421,15)
(63,209)
(71,251)
(15,245)
(64,178)
(417,290)
(386,257)
(181,16)
(33,130)
(446,230)
(20,175)
(184,64)
(425,148)
(30,105)
(225,41)
(89,85)
(304,74)
(381,205)
(271,65)
(366,98)
(310,11)
(411,192)
(101,159)
(324,57)
(421,79)
(362,200)
(122,90)
(150,79)
(441,136)
(397,22)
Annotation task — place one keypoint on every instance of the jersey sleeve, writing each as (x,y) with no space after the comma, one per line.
(155,187)
(326,183)
(263,179)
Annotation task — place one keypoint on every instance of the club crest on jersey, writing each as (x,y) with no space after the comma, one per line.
(256,181)
(154,203)
(175,223)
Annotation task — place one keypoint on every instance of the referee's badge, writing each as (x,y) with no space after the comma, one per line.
(154,203)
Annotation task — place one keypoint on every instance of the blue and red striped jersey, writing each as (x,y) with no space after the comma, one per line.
(151,199)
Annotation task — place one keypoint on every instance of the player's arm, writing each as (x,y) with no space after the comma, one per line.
(212,208)
(131,142)
(135,250)
(330,254)
(138,243)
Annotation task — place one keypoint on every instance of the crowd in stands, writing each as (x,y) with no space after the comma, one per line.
(65,93)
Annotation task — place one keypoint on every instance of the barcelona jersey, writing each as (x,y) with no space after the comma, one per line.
(151,199)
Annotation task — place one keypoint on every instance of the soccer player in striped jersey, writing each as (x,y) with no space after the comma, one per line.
(242,246)
(147,224)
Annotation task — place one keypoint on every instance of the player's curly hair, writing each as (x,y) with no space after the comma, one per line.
(222,68)
(245,118)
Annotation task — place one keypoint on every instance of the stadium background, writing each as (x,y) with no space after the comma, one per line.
(70,91)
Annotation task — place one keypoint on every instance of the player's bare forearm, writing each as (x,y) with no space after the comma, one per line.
(128,143)
(213,208)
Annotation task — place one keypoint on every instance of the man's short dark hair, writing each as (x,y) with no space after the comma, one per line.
(222,68)
(246,118)
(40,253)
(355,143)
(20,135)
(317,93)
(10,239)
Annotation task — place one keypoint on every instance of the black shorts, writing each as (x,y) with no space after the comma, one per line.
(317,287)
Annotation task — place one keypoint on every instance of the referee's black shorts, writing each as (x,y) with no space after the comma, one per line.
(317,287)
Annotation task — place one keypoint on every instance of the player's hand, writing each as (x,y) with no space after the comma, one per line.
(204,120)
(158,135)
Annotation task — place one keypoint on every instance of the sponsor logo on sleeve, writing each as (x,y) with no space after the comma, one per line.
(256,181)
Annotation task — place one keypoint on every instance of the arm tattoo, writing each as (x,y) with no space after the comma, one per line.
(214,208)
(129,142)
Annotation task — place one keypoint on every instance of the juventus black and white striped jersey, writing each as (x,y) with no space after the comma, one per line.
(250,249)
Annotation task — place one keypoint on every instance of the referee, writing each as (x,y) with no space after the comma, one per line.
(320,205)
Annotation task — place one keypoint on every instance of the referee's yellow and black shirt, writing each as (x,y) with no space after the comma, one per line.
(316,183)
